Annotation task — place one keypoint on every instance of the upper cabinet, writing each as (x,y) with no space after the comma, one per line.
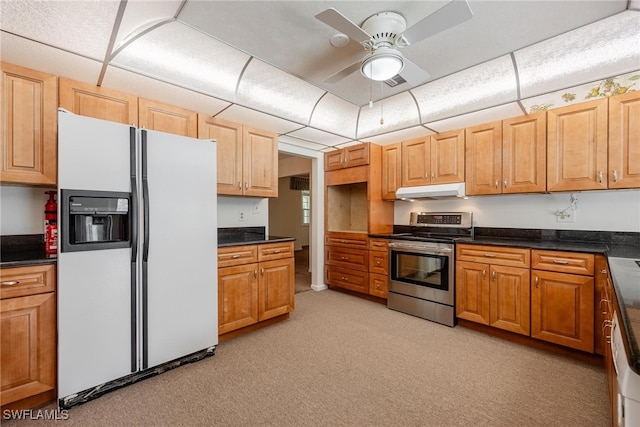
(93,101)
(577,147)
(438,159)
(624,140)
(167,118)
(247,157)
(29,126)
(507,157)
(348,157)
(391,170)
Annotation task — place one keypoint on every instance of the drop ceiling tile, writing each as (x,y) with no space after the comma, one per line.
(477,118)
(160,91)
(397,112)
(269,89)
(336,115)
(27,53)
(599,50)
(180,55)
(254,118)
(400,135)
(311,134)
(483,86)
(82,27)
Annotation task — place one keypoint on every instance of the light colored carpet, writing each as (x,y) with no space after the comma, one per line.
(344,361)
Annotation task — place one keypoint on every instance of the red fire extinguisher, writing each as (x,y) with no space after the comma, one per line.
(51,224)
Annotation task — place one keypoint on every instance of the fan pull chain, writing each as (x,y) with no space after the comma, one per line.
(381,104)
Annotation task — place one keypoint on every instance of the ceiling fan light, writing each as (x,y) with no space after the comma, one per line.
(382,64)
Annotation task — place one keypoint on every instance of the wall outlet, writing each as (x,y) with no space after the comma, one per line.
(568,215)
(241,217)
(256,208)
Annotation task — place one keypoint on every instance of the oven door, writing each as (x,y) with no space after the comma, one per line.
(422,275)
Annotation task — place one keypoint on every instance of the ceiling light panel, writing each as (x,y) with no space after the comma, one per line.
(335,114)
(178,54)
(141,14)
(269,89)
(311,134)
(82,27)
(400,135)
(486,85)
(598,50)
(286,139)
(254,118)
(397,112)
(487,115)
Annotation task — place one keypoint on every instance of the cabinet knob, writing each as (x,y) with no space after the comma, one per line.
(615,176)
(493,275)
(246,185)
(236,256)
(497,183)
(490,255)
(600,176)
(536,281)
(239,185)
(277,251)
(10,283)
(262,272)
(560,261)
(255,274)
(484,274)
(505,183)
(378,263)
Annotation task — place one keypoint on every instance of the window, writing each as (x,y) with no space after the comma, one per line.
(306,207)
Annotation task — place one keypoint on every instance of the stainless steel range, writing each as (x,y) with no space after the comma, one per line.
(422,265)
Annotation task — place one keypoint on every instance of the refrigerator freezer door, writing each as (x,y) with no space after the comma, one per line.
(94,293)
(182,292)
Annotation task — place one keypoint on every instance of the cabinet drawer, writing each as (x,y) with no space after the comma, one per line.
(563,262)
(272,251)
(378,285)
(30,280)
(347,241)
(498,255)
(349,258)
(378,244)
(237,255)
(346,278)
(379,262)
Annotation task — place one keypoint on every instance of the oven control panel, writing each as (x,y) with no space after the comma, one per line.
(441,219)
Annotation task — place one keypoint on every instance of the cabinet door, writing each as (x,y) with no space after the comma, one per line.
(333,160)
(28,126)
(276,288)
(356,155)
(228,136)
(378,285)
(601,301)
(237,297)
(577,147)
(391,170)
(260,162)
(347,278)
(624,140)
(447,157)
(167,118)
(483,159)
(509,293)
(94,101)
(562,309)
(379,262)
(472,291)
(356,259)
(28,350)
(416,162)
(524,154)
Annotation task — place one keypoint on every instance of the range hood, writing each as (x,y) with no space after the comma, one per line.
(439,191)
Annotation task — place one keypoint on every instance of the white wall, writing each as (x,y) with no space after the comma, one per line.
(243,212)
(285,215)
(22,209)
(596,210)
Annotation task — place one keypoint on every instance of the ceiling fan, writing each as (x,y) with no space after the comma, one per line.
(383,34)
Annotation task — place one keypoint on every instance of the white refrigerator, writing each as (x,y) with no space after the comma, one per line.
(127,308)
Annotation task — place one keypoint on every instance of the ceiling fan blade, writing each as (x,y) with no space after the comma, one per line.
(335,78)
(335,19)
(449,15)
(413,74)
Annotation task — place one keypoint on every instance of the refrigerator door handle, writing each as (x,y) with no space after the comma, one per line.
(145,254)
(134,249)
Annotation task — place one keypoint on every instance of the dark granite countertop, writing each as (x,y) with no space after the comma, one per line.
(237,236)
(23,250)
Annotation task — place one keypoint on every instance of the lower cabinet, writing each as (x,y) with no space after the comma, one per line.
(492,293)
(548,295)
(255,283)
(28,336)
